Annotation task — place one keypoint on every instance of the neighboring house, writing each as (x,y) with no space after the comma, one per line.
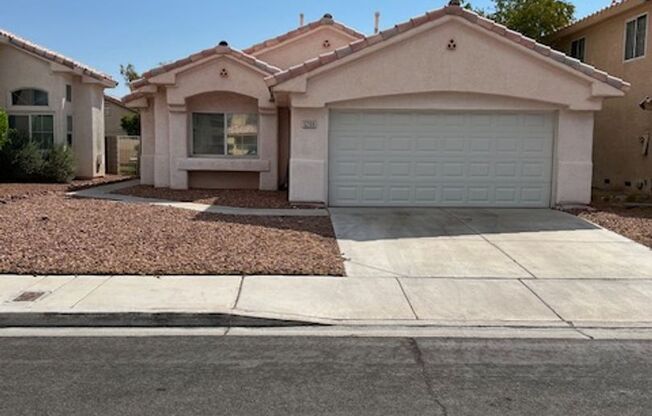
(114,111)
(616,39)
(54,100)
(446,109)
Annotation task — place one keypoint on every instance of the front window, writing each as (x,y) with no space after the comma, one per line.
(635,37)
(224,134)
(29,96)
(69,131)
(69,93)
(39,127)
(577,49)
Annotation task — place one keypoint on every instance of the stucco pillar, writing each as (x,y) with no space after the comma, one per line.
(309,155)
(268,143)
(88,127)
(161,142)
(147,146)
(178,119)
(574,166)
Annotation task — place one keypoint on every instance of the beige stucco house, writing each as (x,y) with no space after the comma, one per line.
(55,100)
(446,109)
(615,39)
(114,111)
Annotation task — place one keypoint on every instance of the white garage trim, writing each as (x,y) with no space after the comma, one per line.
(482,159)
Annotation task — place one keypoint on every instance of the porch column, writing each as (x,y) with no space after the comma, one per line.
(178,120)
(268,147)
(147,146)
(162,142)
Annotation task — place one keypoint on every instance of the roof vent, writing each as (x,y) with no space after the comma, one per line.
(224,43)
(328,16)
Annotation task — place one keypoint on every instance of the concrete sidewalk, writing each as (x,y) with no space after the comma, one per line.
(382,301)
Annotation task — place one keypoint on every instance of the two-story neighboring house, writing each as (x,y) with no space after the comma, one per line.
(616,39)
(54,100)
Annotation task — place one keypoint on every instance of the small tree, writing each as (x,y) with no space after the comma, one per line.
(533,18)
(129,73)
(131,124)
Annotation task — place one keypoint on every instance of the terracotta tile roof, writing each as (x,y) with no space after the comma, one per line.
(133,96)
(221,49)
(594,17)
(116,101)
(327,20)
(470,16)
(28,46)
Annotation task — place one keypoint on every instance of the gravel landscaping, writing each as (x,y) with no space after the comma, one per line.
(243,198)
(13,190)
(613,212)
(45,232)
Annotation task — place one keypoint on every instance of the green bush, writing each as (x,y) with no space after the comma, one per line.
(4,127)
(59,165)
(22,160)
(131,124)
(27,163)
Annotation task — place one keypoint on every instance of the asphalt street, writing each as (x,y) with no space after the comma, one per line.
(323,376)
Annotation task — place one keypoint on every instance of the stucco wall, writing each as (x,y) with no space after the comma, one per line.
(510,79)
(19,69)
(113,115)
(167,126)
(304,47)
(617,154)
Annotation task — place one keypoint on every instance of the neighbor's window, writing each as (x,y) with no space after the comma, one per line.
(29,96)
(69,131)
(40,127)
(577,49)
(69,93)
(635,37)
(224,134)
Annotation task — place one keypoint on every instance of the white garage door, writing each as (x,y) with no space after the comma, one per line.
(440,159)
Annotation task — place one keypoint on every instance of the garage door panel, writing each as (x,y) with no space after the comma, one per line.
(440,159)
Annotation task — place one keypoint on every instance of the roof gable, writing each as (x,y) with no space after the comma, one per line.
(326,21)
(41,52)
(614,9)
(331,59)
(222,49)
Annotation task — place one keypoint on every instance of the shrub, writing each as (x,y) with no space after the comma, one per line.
(131,124)
(59,165)
(4,127)
(27,163)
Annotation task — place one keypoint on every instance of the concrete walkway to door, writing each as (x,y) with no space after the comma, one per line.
(483,243)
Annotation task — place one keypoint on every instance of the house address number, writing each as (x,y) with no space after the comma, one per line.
(310,124)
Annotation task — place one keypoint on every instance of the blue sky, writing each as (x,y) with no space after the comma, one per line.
(146,32)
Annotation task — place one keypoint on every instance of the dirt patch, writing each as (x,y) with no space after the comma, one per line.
(243,198)
(10,191)
(634,222)
(54,234)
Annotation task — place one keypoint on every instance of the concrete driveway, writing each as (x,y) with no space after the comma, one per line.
(483,243)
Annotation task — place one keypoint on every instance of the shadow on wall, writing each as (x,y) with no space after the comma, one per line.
(368,224)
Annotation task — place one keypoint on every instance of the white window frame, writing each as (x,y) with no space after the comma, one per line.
(584,51)
(33,114)
(191,137)
(647,28)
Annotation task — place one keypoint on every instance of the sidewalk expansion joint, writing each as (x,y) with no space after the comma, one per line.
(407,299)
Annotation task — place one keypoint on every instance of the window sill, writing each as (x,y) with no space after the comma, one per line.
(223,164)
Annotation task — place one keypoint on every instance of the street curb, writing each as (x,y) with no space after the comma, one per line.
(142,320)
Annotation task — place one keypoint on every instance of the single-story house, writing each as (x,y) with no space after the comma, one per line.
(114,111)
(54,100)
(445,109)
